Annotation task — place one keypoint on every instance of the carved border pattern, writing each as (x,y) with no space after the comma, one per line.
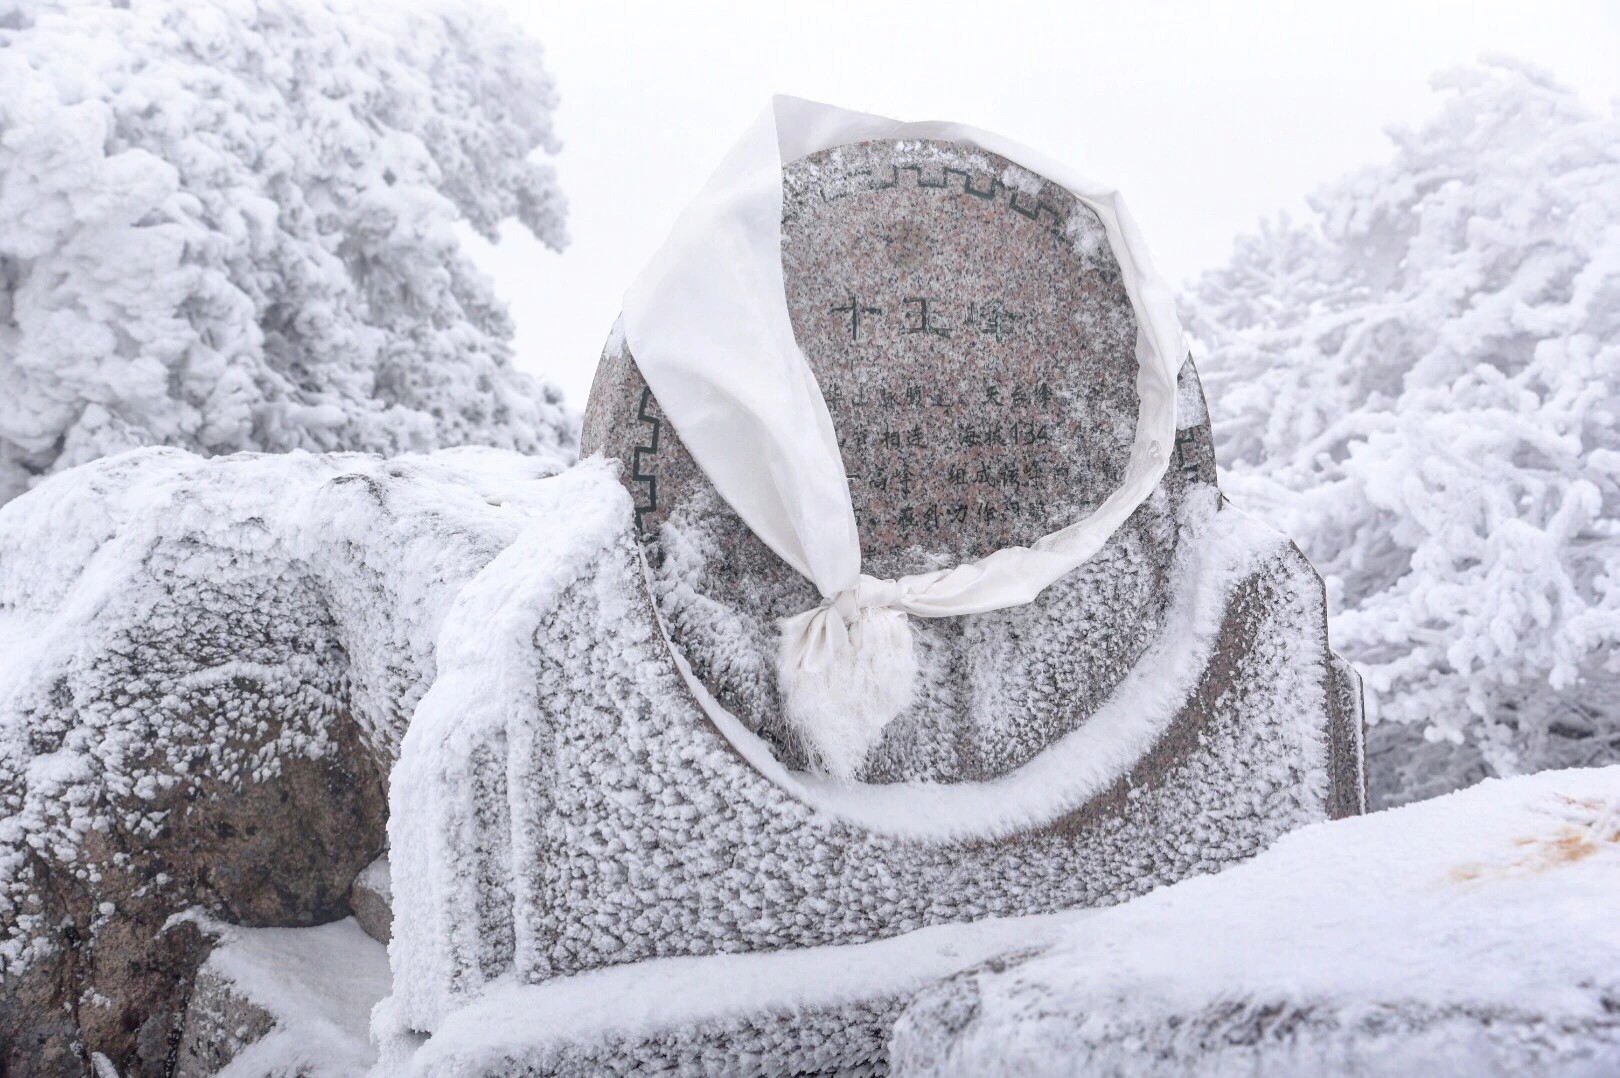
(650,450)
(987,194)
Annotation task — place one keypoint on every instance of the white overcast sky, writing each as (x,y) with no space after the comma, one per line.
(1205,116)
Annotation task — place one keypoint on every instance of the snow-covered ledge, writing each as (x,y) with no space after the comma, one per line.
(1474,934)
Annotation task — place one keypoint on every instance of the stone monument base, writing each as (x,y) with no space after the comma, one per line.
(563,804)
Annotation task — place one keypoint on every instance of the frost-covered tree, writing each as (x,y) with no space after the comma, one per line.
(1421,382)
(233,225)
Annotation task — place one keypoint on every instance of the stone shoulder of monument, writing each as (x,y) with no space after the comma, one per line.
(206,667)
(570,807)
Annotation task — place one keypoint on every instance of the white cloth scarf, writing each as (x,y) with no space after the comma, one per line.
(707,323)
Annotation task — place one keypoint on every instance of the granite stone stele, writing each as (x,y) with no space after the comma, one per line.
(1169,708)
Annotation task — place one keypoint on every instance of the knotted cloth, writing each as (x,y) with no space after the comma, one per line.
(707,323)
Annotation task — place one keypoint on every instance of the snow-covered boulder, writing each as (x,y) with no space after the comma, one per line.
(205,670)
(1477,934)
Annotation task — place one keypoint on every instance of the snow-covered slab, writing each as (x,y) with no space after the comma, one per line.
(1476,934)
(284,1001)
(807,1011)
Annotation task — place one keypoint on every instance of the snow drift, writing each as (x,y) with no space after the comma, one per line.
(1474,934)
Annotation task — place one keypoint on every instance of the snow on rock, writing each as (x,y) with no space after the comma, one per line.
(372,899)
(208,668)
(562,804)
(285,1001)
(1474,934)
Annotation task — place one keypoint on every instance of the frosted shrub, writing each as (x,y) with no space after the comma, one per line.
(1421,383)
(232,226)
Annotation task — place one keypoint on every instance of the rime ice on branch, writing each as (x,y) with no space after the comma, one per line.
(230,227)
(1421,383)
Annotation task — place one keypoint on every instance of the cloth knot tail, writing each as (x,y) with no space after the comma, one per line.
(846,669)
